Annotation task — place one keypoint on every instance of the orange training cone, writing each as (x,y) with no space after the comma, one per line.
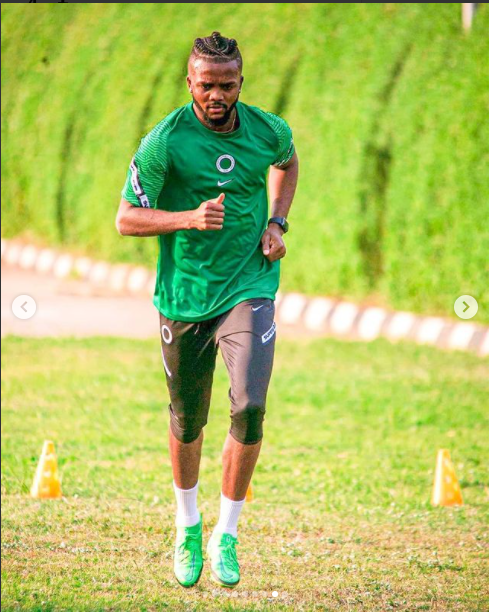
(249,493)
(446,490)
(47,484)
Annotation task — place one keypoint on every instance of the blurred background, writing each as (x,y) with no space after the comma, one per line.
(388,105)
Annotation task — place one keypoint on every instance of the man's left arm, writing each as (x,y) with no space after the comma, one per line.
(282,182)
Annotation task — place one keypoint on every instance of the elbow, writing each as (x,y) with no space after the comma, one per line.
(120,225)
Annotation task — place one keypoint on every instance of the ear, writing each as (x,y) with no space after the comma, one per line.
(189,84)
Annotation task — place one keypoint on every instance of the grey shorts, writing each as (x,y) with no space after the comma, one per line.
(246,337)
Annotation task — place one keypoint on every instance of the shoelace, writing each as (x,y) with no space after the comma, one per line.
(230,560)
(191,542)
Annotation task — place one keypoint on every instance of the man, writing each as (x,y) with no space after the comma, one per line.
(198,181)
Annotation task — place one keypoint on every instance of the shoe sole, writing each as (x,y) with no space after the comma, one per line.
(228,585)
(215,578)
(188,586)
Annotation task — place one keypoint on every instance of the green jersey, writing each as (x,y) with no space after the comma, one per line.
(180,164)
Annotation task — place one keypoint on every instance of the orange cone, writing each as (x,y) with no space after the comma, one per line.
(249,493)
(446,490)
(47,484)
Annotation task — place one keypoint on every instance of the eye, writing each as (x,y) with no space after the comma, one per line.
(206,86)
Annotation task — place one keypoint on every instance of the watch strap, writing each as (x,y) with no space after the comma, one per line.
(282,221)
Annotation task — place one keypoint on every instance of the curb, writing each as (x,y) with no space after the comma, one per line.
(322,316)
(119,278)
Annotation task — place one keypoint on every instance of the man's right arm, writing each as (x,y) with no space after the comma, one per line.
(139,221)
(138,213)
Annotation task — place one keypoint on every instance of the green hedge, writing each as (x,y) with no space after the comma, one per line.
(388,104)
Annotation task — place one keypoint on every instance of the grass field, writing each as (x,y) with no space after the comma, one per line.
(341,519)
(387,102)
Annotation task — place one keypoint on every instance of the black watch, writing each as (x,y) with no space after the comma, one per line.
(282,221)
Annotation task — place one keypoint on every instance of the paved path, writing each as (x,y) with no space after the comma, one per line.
(117,301)
(70,308)
(77,308)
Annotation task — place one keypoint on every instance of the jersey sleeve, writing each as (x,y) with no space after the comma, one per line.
(285,147)
(147,171)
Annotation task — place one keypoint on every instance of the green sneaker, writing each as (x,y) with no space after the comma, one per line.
(188,561)
(221,550)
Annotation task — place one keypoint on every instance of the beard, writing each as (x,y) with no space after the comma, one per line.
(217,122)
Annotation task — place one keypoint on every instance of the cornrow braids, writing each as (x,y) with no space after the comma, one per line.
(216,48)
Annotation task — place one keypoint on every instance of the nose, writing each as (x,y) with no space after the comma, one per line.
(216,95)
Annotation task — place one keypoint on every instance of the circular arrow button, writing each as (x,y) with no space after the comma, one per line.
(466,307)
(24,307)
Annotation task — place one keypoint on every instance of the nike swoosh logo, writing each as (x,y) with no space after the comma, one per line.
(257,308)
(191,570)
(221,183)
(224,571)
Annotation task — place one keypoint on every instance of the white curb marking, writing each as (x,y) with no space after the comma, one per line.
(63,266)
(291,308)
(28,257)
(13,253)
(429,330)
(317,312)
(99,273)
(137,279)
(461,335)
(343,317)
(45,261)
(83,266)
(370,323)
(117,277)
(400,325)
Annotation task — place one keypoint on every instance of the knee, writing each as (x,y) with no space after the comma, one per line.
(185,428)
(247,422)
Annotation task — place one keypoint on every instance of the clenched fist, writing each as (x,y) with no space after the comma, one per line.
(273,246)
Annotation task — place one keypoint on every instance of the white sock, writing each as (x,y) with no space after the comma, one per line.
(187,512)
(229,515)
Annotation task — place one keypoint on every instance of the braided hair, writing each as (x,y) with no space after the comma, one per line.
(216,48)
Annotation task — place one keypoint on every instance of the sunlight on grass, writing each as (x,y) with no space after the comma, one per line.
(341,516)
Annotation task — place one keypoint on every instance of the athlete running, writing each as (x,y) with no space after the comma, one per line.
(198,181)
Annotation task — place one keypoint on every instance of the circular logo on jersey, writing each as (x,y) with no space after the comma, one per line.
(166,333)
(228,164)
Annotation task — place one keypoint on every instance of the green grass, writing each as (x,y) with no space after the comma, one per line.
(341,519)
(387,102)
